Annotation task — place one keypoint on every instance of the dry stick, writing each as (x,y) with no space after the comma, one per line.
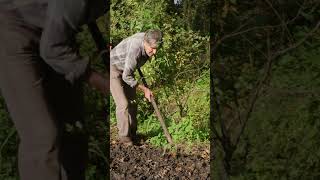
(163,125)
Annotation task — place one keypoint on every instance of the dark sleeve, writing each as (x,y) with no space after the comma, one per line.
(57,45)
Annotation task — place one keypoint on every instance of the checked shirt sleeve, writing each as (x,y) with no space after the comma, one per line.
(131,63)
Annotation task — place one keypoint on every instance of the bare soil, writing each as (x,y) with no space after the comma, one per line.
(146,162)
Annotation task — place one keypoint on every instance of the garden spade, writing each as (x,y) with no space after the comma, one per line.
(163,125)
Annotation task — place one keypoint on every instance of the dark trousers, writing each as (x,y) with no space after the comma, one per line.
(41,104)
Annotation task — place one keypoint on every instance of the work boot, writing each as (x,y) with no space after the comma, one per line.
(133,136)
(138,139)
(126,140)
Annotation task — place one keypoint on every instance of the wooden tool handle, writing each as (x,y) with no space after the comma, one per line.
(157,111)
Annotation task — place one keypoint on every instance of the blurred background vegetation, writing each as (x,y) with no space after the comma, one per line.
(95,123)
(265,89)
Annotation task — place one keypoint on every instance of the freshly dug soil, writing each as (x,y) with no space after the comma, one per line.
(146,162)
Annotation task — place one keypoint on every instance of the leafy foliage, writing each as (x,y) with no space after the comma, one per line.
(264,72)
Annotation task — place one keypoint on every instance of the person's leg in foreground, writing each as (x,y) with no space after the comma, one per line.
(24,84)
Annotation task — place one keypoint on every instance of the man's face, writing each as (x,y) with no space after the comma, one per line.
(150,50)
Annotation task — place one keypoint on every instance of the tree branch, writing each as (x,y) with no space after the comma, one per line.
(281,52)
(255,94)
(266,74)
(283,23)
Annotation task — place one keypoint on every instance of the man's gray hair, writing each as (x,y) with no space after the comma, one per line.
(153,37)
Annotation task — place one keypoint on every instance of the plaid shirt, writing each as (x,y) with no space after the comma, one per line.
(128,55)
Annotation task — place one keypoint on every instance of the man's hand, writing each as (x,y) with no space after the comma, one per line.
(147,92)
(98,81)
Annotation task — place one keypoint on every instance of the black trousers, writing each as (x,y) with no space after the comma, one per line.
(41,104)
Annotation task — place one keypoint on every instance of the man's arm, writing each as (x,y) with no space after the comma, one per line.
(127,75)
(99,81)
(130,65)
(58,46)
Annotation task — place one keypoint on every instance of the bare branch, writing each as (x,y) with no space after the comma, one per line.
(298,13)
(281,52)
(255,94)
(254,46)
(283,23)
(219,41)
(237,32)
(265,76)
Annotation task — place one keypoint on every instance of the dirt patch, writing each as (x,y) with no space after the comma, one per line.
(146,162)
